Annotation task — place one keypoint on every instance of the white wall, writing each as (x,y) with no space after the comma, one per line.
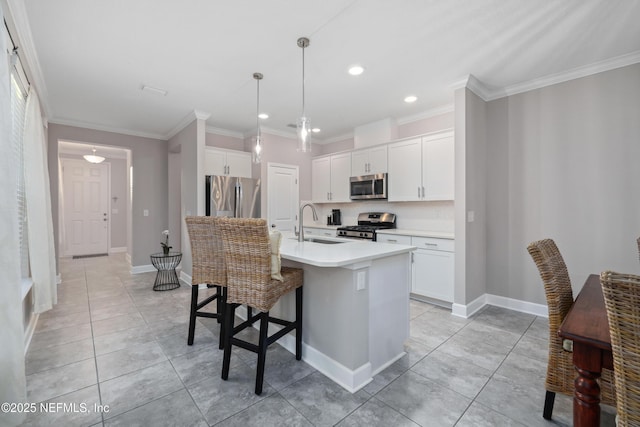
(563,164)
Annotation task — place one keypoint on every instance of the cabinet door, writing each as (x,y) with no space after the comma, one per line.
(214,162)
(433,274)
(320,179)
(438,168)
(340,173)
(239,164)
(359,160)
(405,170)
(378,159)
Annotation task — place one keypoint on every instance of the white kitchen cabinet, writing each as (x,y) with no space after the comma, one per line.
(318,231)
(330,178)
(393,238)
(405,170)
(369,161)
(433,268)
(438,166)
(422,168)
(227,162)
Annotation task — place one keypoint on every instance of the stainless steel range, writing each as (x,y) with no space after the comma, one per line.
(368,223)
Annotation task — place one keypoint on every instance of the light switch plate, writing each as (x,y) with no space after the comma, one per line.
(145,212)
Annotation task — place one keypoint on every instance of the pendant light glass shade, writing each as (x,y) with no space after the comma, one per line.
(257,149)
(92,158)
(303,124)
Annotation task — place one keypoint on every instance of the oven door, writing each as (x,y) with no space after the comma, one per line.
(368,187)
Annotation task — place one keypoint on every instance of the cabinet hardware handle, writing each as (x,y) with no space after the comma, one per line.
(418,192)
(423,192)
(392,240)
(431,244)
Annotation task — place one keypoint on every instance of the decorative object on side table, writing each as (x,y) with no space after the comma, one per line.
(165,245)
(166,264)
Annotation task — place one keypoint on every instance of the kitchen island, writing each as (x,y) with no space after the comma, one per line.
(355,305)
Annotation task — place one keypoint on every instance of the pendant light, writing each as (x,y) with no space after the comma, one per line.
(92,158)
(303,125)
(257,149)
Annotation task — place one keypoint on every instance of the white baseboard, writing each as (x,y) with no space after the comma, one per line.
(137,269)
(518,305)
(476,305)
(350,380)
(187,279)
(128,257)
(28,333)
(58,279)
(118,250)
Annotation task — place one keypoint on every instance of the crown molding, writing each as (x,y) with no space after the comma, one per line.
(473,84)
(224,132)
(575,73)
(186,121)
(339,138)
(201,115)
(93,126)
(275,132)
(437,111)
(27,49)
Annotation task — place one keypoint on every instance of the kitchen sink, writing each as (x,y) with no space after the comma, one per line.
(316,240)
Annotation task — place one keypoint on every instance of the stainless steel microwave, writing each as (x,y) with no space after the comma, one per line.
(368,187)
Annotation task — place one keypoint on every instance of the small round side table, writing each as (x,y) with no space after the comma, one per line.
(166,279)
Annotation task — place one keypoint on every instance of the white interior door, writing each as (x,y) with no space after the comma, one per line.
(86,197)
(282,196)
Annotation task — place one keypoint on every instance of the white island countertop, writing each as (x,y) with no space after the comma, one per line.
(336,255)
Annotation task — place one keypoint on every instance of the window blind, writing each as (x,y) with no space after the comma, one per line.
(18,107)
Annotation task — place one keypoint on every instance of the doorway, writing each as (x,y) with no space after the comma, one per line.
(86,193)
(282,196)
(84,190)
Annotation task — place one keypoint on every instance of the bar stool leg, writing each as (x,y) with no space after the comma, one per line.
(299,323)
(222,304)
(192,314)
(262,350)
(229,314)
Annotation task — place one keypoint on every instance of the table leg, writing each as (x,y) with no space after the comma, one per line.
(586,400)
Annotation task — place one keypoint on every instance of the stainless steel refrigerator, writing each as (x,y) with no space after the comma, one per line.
(232,197)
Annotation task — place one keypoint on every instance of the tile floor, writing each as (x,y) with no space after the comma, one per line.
(113,341)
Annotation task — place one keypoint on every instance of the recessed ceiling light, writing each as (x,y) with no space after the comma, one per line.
(315,130)
(263,116)
(356,70)
(411,98)
(155,90)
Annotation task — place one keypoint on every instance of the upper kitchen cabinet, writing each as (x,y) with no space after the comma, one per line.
(330,178)
(422,168)
(227,162)
(369,161)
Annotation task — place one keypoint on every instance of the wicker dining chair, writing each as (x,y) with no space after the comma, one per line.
(561,372)
(622,300)
(247,252)
(208,267)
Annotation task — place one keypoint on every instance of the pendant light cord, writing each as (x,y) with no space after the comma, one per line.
(303,115)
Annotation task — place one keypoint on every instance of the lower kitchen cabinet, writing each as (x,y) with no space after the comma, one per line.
(432,270)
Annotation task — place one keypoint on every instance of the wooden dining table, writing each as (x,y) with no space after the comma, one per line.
(587,325)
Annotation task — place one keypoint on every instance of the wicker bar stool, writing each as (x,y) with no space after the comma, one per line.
(561,372)
(208,267)
(622,299)
(247,253)
(638,248)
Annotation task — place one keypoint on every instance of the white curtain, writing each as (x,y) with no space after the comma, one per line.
(41,244)
(13,383)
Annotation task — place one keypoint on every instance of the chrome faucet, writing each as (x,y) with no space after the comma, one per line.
(300,232)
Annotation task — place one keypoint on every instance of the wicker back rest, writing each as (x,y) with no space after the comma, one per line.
(638,248)
(247,252)
(207,256)
(622,299)
(555,278)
